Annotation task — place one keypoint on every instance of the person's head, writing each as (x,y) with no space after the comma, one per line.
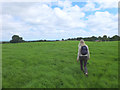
(82,42)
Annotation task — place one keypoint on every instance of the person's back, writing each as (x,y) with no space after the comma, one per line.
(83,55)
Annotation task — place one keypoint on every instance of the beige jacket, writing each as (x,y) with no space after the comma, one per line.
(79,52)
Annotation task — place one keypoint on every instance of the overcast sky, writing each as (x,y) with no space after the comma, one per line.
(57,20)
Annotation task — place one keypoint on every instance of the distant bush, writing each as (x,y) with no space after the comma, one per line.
(16,39)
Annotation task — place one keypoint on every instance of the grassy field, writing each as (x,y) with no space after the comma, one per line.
(53,65)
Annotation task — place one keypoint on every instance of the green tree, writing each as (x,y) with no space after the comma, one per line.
(100,38)
(79,38)
(105,37)
(93,38)
(16,39)
(108,38)
(115,38)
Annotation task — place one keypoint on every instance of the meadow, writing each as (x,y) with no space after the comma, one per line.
(54,65)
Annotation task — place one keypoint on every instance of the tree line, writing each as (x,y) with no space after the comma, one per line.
(17,39)
(99,38)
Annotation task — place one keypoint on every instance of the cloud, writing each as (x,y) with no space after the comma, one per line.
(101,4)
(107,3)
(42,21)
(90,6)
(64,4)
(11,27)
(103,23)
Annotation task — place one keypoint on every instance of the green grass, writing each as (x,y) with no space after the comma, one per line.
(53,65)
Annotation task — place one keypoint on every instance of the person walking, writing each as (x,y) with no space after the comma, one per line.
(83,56)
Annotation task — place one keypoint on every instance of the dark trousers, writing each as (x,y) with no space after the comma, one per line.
(83,59)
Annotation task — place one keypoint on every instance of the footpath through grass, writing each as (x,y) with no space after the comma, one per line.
(53,65)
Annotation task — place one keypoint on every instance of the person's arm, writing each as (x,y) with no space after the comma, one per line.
(88,55)
(78,53)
